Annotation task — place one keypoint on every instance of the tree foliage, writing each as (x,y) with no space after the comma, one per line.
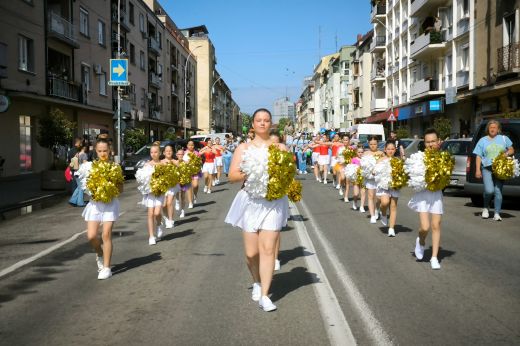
(246,121)
(402,132)
(55,129)
(283,122)
(443,127)
(135,138)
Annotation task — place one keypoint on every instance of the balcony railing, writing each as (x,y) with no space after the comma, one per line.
(61,28)
(155,80)
(63,88)
(416,5)
(462,78)
(124,19)
(462,26)
(154,45)
(378,42)
(509,58)
(423,86)
(378,10)
(425,40)
(376,104)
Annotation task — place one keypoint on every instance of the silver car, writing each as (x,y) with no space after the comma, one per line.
(460,149)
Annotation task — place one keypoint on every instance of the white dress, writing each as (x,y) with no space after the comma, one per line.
(427,201)
(252,213)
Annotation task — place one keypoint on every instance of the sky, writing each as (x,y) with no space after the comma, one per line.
(265,48)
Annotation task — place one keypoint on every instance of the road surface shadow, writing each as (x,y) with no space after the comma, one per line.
(397,228)
(285,283)
(205,204)
(442,254)
(298,217)
(175,235)
(285,256)
(502,215)
(185,220)
(287,229)
(201,211)
(135,262)
(219,190)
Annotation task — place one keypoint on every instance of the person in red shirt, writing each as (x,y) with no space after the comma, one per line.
(315,154)
(219,150)
(324,158)
(208,169)
(336,145)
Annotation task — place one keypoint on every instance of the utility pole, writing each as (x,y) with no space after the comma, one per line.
(119,151)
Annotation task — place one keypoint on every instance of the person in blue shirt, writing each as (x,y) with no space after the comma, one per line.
(486,150)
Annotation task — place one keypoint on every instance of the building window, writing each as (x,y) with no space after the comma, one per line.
(449,69)
(509,30)
(141,23)
(132,54)
(141,60)
(159,39)
(159,71)
(85,77)
(25,144)
(25,54)
(131,13)
(103,84)
(464,58)
(83,21)
(101,33)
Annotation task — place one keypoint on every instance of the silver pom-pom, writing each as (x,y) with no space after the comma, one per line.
(254,165)
(368,163)
(143,177)
(415,168)
(383,174)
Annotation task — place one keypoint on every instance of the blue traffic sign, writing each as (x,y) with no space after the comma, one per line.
(118,72)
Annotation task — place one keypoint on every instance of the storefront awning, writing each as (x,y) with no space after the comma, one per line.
(383,116)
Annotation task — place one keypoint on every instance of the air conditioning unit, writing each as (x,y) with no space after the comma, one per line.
(97,69)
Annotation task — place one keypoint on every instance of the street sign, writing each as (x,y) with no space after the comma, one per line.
(118,72)
(392,118)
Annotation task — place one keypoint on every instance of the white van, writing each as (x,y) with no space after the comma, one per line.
(361,132)
(212,136)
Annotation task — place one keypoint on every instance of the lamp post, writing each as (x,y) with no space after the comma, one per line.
(392,88)
(186,84)
(211,100)
(225,108)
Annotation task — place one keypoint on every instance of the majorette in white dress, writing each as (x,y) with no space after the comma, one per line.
(250,210)
(423,201)
(143,177)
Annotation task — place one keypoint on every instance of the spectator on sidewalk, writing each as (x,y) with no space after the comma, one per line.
(81,157)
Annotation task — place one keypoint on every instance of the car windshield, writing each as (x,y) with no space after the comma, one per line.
(405,142)
(456,147)
(144,150)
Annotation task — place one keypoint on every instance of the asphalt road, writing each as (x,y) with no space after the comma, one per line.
(193,287)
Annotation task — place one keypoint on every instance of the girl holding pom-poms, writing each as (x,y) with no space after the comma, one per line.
(169,197)
(209,168)
(345,155)
(353,174)
(492,152)
(429,173)
(194,189)
(185,175)
(261,207)
(390,178)
(368,162)
(103,181)
(152,184)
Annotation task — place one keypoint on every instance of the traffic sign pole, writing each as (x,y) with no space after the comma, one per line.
(120,158)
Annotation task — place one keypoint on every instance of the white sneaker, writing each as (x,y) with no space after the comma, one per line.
(384,220)
(485,213)
(324,181)
(177,205)
(318,180)
(159,232)
(99,261)
(151,241)
(181,214)
(354,207)
(190,206)
(205,189)
(497,217)
(104,274)
(213,183)
(362,209)
(378,214)
(304,172)
(257,291)
(169,223)
(435,263)
(419,250)
(345,199)
(266,304)
(276,265)
(341,192)
(338,187)
(391,232)
(194,200)
(373,219)
(209,191)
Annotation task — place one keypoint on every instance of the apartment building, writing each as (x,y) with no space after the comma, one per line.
(283,108)
(331,97)
(305,107)
(319,80)
(361,72)
(346,78)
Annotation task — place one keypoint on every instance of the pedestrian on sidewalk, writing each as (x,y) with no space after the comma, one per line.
(80,158)
(260,219)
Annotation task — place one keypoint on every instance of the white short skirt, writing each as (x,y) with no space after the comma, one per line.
(173,190)
(99,211)
(150,200)
(390,192)
(218,161)
(427,202)
(370,184)
(333,161)
(209,167)
(314,157)
(254,214)
(323,160)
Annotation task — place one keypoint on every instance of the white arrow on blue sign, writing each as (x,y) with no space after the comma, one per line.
(118,72)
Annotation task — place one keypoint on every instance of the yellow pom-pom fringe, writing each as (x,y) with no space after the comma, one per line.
(104,181)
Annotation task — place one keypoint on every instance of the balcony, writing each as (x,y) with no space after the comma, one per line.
(421,8)
(62,88)
(155,80)
(123,19)
(61,29)
(378,105)
(509,59)
(378,12)
(378,44)
(463,26)
(154,45)
(405,25)
(404,62)
(425,87)
(462,78)
(429,45)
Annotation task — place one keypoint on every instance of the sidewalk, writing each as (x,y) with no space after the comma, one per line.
(20,191)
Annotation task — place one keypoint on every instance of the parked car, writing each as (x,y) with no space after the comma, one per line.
(137,160)
(473,186)
(460,149)
(410,146)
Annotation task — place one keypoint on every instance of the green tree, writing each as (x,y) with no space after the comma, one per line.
(282,123)
(246,121)
(443,127)
(135,138)
(55,129)
(402,132)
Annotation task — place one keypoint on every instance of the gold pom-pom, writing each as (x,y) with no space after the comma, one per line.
(194,164)
(399,176)
(295,191)
(173,174)
(160,181)
(503,167)
(359,178)
(439,165)
(281,169)
(104,181)
(348,154)
(184,173)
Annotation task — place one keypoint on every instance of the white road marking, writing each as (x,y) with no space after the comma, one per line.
(370,323)
(334,320)
(39,255)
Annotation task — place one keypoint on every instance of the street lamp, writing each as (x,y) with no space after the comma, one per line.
(392,87)
(186,84)
(211,100)
(225,108)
